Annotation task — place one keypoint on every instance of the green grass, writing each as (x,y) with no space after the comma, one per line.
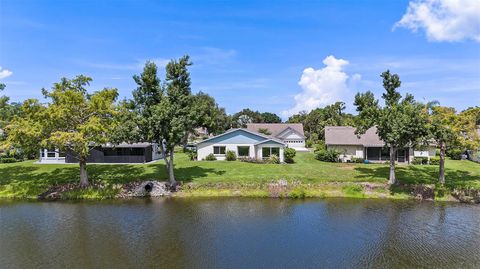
(27,179)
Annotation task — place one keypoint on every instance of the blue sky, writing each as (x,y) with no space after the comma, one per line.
(264,55)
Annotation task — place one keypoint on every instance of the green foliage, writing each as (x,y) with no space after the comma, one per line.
(264,131)
(455,154)
(353,190)
(399,123)
(8,160)
(206,113)
(434,160)
(273,159)
(314,123)
(440,191)
(329,155)
(289,154)
(357,160)
(210,157)
(320,146)
(230,155)
(297,193)
(250,160)
(420,161)
(73,121)
(245,116)
(268,117)
(192,155)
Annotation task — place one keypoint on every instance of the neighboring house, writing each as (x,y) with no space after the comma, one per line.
(368,146)
(245,143)
(122,153)
(289,133)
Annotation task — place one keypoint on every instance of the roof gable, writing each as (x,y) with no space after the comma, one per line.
(276,129)
(236,136)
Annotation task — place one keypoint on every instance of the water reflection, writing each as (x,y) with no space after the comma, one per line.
(239,233)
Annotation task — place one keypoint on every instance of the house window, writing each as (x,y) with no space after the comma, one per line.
(268,151)
(219,150)
(243,151)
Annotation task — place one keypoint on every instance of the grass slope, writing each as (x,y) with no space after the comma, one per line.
(27,179)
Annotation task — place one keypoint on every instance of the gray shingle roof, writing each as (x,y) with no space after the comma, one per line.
(275,128)
(345,135)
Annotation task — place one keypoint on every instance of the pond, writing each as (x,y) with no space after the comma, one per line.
(239,233)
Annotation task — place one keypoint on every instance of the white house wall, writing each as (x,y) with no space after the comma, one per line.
(204,149)
(269,145)
(347,152)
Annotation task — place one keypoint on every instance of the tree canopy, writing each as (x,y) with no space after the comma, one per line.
(400,122)
(74,121)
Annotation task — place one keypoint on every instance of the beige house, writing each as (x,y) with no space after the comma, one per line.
(368,146)
(289,133)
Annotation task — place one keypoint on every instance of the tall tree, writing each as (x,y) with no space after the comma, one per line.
(208,114)
(268,117)
(74,121)
(443,122)
(165,112)
(400,122)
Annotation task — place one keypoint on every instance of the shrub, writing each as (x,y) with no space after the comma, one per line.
(319,146)
(8,160)
(273,159)
(420,160)
(289,154)
(309,143)
(329,155)
(435,160)
(440,191)
(210,157)
(353,190)
(297,193)
(455,154)
(250,160)
(357,160)
(230,155)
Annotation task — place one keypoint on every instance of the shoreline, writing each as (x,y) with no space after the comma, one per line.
(280,189)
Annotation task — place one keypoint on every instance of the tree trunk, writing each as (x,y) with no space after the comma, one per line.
(391,179)
(83,174)
(171,175)
(441,176)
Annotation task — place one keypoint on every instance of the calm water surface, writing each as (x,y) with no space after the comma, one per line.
(239,233)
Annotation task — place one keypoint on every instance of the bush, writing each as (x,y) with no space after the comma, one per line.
(435,160)
(273,159)
(297,193)
(440,191)
(353,190)
(250,160)
(8,160)
(289,154)
(231,155)
(455,154)
(319,146)
(420,160)
(329,155)
(210,157)
(357,160)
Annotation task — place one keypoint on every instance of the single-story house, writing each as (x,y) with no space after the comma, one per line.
(369,146)
(243,142)
(290,133)
(108,153)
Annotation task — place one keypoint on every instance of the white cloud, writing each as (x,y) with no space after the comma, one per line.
(444,20)
(5,73)
(322,87)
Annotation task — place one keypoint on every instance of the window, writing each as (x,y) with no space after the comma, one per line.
(243,151)
(267,151)
(220,150)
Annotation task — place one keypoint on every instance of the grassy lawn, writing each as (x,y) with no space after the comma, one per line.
(27,179)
